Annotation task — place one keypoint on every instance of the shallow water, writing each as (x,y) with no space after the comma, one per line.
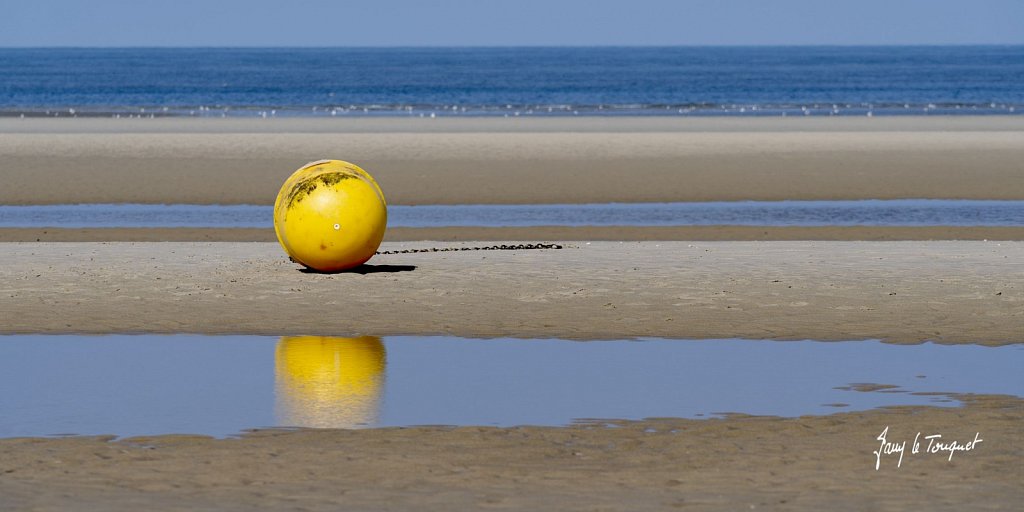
(901,212)
(221,385)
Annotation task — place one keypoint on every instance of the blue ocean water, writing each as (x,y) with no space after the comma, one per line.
(513,81)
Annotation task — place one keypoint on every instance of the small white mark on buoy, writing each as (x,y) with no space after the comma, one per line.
(337,227)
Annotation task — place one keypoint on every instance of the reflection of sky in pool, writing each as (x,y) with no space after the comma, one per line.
(219,385)
(902,212)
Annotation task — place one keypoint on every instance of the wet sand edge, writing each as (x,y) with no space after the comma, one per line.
(805,463)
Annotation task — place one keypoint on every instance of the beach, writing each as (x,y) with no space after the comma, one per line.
(905,285)
(908,292)
(508,161)
(806,463)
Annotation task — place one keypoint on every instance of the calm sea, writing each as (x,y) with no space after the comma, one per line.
(513,81)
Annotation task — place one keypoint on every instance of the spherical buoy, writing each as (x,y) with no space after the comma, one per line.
(330,215)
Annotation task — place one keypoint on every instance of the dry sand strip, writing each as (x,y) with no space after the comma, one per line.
(524,161)
(545,233)
(737,463)
(950,292)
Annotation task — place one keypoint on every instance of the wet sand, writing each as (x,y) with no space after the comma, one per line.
(950,292)
(738,463)
(496,160)
(905,292)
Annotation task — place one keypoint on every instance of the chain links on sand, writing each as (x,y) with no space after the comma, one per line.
(517,247)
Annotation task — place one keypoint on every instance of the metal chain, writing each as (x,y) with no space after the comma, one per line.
(517,247)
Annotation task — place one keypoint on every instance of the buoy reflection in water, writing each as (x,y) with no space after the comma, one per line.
(329,382)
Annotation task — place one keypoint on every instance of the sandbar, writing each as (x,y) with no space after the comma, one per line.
(508,161)
(910,292)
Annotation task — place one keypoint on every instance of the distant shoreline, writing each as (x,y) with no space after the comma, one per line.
(517,161)
(496,124)
(375,111)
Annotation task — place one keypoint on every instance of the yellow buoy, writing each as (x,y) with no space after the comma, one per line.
(330,215)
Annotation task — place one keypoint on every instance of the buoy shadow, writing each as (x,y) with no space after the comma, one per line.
(365,269)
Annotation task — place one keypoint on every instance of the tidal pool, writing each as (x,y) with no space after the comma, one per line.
(221,385)
(896,212)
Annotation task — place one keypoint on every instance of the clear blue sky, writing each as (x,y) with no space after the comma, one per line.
(505,23)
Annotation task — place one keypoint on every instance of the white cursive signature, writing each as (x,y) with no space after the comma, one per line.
(935,445)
